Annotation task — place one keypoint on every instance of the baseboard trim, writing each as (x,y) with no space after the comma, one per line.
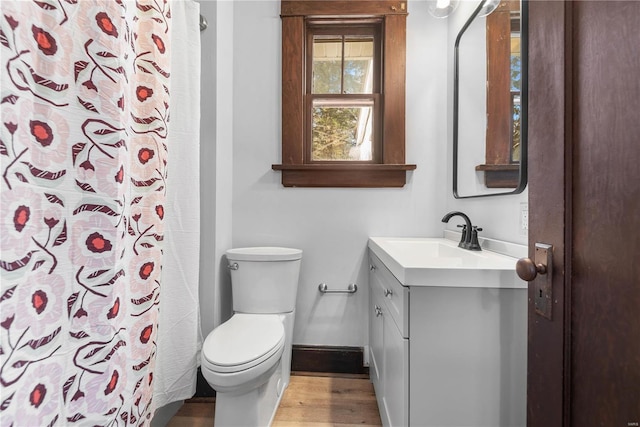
(309,359)
(327,359)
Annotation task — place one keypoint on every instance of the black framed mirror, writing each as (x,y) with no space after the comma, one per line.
(490,101)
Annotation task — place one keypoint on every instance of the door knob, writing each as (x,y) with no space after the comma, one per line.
(541,287)
(528,270)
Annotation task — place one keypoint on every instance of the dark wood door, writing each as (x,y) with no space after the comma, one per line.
(584,199)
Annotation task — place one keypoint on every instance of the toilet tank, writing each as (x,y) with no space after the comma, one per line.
(264,279)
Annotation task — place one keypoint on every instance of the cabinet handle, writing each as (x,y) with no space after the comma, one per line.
(378,310)
(388,293)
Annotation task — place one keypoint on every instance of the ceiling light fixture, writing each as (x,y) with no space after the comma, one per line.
(442,8)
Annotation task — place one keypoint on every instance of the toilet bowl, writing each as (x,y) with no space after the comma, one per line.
(247,359)
(238,354)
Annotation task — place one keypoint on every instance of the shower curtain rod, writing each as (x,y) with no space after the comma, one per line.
(203,23)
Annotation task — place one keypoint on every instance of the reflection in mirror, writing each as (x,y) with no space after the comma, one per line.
(490,88)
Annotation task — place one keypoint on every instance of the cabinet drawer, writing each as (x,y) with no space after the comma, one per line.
(395,296)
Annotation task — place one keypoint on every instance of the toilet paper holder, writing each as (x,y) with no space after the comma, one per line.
(324,289)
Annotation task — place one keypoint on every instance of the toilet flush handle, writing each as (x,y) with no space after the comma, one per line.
(233,266)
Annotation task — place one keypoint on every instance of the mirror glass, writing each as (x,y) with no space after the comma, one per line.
(490,100)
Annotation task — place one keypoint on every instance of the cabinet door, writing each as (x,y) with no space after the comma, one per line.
(395,296)
(395,375)
(376,339)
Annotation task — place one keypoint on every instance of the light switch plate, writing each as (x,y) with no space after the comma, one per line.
(524,218)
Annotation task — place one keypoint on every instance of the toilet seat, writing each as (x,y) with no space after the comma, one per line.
(243,342)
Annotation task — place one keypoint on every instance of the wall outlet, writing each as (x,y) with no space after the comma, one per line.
(524,218)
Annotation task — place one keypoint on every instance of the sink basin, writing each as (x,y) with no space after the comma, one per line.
(440,262)
(422,249)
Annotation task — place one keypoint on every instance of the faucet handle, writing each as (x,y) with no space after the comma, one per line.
(463,237)
(474,245)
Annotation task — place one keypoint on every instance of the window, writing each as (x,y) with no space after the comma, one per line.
(343,94)
(504,71)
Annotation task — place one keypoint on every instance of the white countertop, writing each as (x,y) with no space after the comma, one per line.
(424,261)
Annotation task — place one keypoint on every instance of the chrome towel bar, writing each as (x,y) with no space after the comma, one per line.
(351,289)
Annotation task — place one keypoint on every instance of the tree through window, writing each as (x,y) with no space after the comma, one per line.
(343,90)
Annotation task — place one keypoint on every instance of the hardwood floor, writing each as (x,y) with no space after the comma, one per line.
(310,400)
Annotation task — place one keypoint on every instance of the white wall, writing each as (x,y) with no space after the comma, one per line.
(216,142)
(330,225)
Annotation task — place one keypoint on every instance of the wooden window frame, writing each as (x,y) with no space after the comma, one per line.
(499,170)
(390,168)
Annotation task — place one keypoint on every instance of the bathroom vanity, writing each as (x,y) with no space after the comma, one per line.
(448,334)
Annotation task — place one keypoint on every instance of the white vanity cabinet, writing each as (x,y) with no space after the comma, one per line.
(443,355)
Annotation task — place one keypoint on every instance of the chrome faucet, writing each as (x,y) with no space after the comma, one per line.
(469,239)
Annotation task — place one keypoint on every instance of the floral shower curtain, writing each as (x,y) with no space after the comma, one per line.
(85,105)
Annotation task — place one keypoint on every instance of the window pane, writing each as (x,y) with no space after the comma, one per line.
(515,140)
(358,62)
(516,68)
(327,64)
(516,79)
(341,133)
(331,75)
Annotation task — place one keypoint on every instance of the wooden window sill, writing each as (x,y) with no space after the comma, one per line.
(500,175)
(344,175)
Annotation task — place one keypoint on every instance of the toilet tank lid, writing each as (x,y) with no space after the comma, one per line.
(266,253)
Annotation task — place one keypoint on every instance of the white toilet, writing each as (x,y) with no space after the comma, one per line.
(247,359)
